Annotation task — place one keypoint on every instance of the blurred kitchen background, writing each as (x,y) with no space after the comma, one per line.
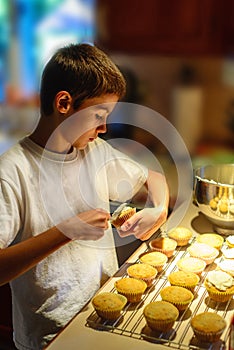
(177,56)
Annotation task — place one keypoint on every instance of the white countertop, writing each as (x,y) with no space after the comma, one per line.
(77,335)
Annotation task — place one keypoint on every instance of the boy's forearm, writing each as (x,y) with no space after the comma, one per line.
(21,257)
(157,189)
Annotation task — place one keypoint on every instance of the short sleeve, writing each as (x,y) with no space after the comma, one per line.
(9,214)
(124,175)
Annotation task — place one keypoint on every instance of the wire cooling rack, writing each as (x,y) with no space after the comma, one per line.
(132,323)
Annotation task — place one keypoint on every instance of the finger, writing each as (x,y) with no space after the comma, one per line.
(130,223)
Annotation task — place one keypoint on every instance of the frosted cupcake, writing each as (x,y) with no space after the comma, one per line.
(230,241)
(208,326)
(212,239)
(190,264)
(155,259)
(184,279)
(180,297)
(131,288)
(227,265)
(203,251)
(160,315)
(164,245)
(121,214)
(145,272)
(219,285)
(109,305)
(181,235)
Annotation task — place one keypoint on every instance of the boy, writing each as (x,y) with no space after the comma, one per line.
(55,237)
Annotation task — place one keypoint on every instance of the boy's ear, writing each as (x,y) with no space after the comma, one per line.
(63,101)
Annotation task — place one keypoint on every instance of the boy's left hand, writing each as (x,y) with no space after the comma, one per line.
(144,223)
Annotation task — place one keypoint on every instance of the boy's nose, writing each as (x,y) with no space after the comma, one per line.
(102,128)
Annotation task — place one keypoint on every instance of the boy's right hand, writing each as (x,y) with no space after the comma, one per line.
(88,225)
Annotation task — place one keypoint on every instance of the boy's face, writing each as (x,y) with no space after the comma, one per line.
(92,119)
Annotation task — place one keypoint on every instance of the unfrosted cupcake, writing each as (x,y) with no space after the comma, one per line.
(181,235)
(121,214)
(208,326)
(184,279)
(131,288)
(164,245)
(190,264)
(203,251)
(212,239)
(160,315)
(178,296)
(109,305)
(219,285)
(142,271)
(155,259)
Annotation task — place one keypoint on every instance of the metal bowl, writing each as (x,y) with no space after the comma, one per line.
(214,195)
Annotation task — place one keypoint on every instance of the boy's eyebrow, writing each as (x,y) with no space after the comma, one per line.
(103,107)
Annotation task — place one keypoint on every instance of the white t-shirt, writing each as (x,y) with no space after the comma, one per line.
(39,189)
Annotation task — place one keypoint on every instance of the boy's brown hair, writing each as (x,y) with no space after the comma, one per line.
(82,70)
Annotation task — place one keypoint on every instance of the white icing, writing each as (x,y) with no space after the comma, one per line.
(227,266)
(123,207)
(220,280)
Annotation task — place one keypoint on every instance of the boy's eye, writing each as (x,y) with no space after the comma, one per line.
(98,116)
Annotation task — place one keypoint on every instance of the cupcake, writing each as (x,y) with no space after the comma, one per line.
(155,259)
(190,264)
(144,272)
(230,241)
(131,288)
(204,252)
(164,245)
(178,296)
(184,279)
(212,239)
(227,265)
(219,285)
(109,305)
(181,235)
(208,326)
(121,214)
(228,253)
(160,315)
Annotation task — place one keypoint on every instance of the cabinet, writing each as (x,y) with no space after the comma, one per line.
(175,27)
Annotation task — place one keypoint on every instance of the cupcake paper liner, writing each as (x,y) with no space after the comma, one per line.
(208,337)
(120,220)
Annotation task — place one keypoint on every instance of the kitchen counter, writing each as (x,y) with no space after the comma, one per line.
(80,334)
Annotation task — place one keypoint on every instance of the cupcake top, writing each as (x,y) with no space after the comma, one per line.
(109,301)
(230,240)
(212,239)
(202,250)
(161,310)
(183,278)
(227,265)
(163,243)
(176,294)
(130,285)
(180,233)
(141,270)
(154,258)
(220,280)
(124,207)
(191,264)
(208,322)
(228,253)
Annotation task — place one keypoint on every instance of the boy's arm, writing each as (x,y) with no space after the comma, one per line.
(148,220)
(21,257)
